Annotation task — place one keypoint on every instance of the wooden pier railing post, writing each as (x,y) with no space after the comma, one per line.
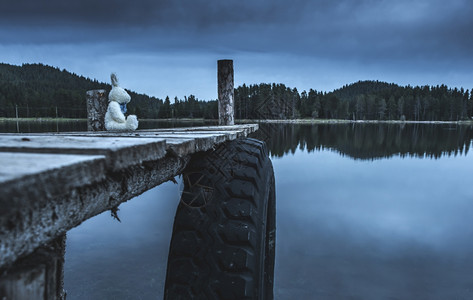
(96,108)
(225,92)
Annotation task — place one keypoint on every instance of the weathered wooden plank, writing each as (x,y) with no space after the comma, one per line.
(180,147)
(201,140)
(25,177)
(248,128)
(43,219)
(96,108)
(16,165)
(243,130)
(188,143)
(230,135)
(120,152)
(219,127)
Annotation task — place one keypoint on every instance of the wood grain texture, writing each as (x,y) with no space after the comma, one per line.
(97,104)
(119,152)
(225,92)
(28,176)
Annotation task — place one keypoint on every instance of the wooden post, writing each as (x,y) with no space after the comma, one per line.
(96,108)
(17,125)
(37,276)
(225,92)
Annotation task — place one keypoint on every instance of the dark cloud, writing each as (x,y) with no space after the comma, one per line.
(200,13)
(371,31)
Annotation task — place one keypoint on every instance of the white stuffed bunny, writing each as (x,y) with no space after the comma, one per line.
(115,118)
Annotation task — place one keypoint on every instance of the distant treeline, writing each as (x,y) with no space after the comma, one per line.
(364,100)
(36,90)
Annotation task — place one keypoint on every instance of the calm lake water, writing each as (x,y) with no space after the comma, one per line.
(363,212)
(374,212)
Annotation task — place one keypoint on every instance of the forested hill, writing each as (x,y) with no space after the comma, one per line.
(363,100)
(37,90)
(381,100)
(41,89)
(351,91)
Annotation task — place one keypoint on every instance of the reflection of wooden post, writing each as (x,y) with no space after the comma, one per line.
(225,92)
(96,108)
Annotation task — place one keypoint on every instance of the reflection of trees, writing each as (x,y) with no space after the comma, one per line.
(370,141)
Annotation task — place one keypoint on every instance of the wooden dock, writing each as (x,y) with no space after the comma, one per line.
(50,183)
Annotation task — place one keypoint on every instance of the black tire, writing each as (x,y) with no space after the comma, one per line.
(223,242)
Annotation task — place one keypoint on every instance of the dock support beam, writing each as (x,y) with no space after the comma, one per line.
(225,92)
(96,108)
(37,276)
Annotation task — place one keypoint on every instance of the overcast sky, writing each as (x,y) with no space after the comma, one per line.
(171,47)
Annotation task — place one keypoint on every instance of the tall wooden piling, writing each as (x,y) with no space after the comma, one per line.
(96,108)
(37,276)
(225,92)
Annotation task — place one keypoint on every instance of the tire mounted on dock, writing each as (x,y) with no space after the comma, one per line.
(223,242)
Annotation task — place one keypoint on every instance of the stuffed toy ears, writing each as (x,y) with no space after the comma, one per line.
(114,79)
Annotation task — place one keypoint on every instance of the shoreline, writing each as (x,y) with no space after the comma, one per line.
(246,121)
(340,121)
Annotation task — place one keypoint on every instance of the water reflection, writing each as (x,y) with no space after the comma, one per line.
(369,141)
(396,228)
(39,125)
